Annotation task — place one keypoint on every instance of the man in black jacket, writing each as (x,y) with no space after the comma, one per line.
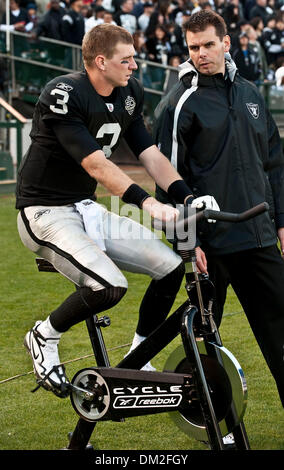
(259,9)
(73,23)
(50,24)
(218,134)
(19,18)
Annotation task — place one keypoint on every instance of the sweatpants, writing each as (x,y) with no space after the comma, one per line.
(257,277)
(57,233)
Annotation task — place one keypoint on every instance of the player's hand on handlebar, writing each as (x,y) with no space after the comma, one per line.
(206,202)
(160,211)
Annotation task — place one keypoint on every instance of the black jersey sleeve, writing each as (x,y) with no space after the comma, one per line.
(137,136)
(61,110)
(75,139)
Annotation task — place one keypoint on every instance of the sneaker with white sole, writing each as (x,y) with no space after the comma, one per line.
(48,370)
(229,441)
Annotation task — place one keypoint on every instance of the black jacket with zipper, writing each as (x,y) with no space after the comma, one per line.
(223,141)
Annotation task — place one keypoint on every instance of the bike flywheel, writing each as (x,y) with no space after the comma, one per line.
(227,387)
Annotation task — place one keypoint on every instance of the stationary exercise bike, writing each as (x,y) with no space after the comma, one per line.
(202,385)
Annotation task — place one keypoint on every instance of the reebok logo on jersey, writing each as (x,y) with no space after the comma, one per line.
(64,86)
(253,109)
(130,104)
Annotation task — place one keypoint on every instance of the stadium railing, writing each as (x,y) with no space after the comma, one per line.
(32,62)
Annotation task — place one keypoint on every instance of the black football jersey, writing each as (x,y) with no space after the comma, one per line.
(71,120)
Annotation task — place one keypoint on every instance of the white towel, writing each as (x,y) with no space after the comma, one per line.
(92,214)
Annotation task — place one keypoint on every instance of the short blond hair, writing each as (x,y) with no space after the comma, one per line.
(102,39)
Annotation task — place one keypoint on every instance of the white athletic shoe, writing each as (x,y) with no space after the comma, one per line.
(44,353)
(229,440)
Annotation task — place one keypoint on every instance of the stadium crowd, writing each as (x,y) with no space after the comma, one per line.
(256,28)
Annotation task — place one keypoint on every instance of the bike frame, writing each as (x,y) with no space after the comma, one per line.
(183,322)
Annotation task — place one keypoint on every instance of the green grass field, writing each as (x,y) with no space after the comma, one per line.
(42,421)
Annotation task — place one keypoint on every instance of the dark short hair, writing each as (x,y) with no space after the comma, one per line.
(202,19)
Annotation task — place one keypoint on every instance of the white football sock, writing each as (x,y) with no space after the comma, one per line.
(47,330)
(136,341)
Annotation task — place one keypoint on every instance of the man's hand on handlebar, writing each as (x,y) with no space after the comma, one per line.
(160,211)
(206,202)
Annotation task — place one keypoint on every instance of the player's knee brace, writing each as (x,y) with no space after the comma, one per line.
(100,300)
(83,303)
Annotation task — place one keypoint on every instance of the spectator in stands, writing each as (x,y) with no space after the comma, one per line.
(258,25)
(86,10)
(272,6)
(139,41)
(203,5)
(144,18)
(96,18)
(125,18)
(50,23)
(177,12)
(171,76)
(158,46)
(33,17)
(256,45)
(177,39)
(73,23)
(241,27)
(247,6)
(160,16)
(232,16)
(138,8)
(260,9)
(219,6)
(266,31)
(279,73)
(101,16)
(108,17)
(19,18)
(246,59)
(273,41)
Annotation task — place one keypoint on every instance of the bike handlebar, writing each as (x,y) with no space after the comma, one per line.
(220,215)
(231,216)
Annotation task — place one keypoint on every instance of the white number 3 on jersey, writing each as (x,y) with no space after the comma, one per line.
(60,107)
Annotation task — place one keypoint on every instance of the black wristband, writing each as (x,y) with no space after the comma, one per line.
(178,190)
(135,195)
